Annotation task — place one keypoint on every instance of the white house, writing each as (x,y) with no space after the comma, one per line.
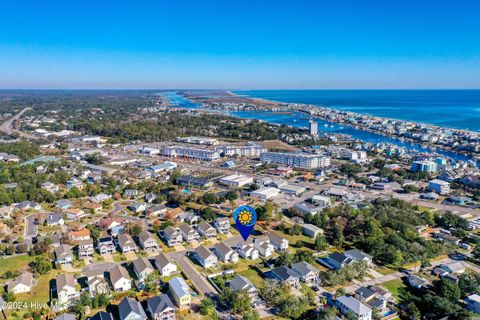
(66,290)
(348,304)
(247,251)
(21,284)
(165,265)
(120,279)
(225,253)
(263,245)
(205,257)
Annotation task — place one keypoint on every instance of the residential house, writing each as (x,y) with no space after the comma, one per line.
(142,268)
(285,274)
(29,205)
(206,230)
(278,243)
(66,289)
(55,219)
(150,197)
(417,282)
(473,303)
(156,210)
(96,282)
(105,245)
(126,243)
(161,308)
(180,291)
(22,283)
(131,309)
(222,224)
(205,257)
(130,193)
(102,315)
(225,253)
(371,298)
(147,241)
(311,231)
(308,273)
(137,206)
(64,204)
(263,245)
(189,217)
(172,236)
(63,254)
(85,249)
(75,214)
(119,279)
(455,267)
(165,265)
(349,305)
(247,251)
(79,235)
(240,283)
(188,233)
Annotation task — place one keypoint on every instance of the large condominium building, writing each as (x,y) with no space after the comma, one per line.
(424,166)
(313,127)
(188,152)
(198,140)
(242,151)
(439,186)
(298,160)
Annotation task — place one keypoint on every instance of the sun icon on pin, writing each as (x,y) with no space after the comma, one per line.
(245,217)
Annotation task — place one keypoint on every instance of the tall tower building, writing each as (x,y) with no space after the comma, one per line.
(313,127)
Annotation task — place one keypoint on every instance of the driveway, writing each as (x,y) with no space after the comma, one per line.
(199,280)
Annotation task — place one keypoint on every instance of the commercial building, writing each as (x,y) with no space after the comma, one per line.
(193,153)
(298,160)
(236,180)
(265,193)
(439,186)
(242,151)
(198,140)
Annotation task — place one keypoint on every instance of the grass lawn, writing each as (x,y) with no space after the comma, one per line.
(396,287)
(385,270)
(17,263)
(253,276)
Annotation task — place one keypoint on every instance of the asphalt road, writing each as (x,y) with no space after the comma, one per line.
(30,227)
(7,126)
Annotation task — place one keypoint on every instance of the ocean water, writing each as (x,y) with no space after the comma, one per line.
(296,119)
(448,108)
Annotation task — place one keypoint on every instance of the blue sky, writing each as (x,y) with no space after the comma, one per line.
(240,44)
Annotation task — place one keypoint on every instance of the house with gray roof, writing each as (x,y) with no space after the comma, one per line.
(142,268)
(222,224)
(172,236)
(225,253)
(131,309)
(165,265)
(147,241)
(85,249)
(161,308)
(120,279)
(63,254)
(188,233)
(242,283)
(22,283)
(55,219)
(285,274)
(105,245)
(206,230)
(205,257)
(311,230)
(126,243)
(279,243)
(308,273)
(102,315)
(66,289)
(348,304)
(180,292)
